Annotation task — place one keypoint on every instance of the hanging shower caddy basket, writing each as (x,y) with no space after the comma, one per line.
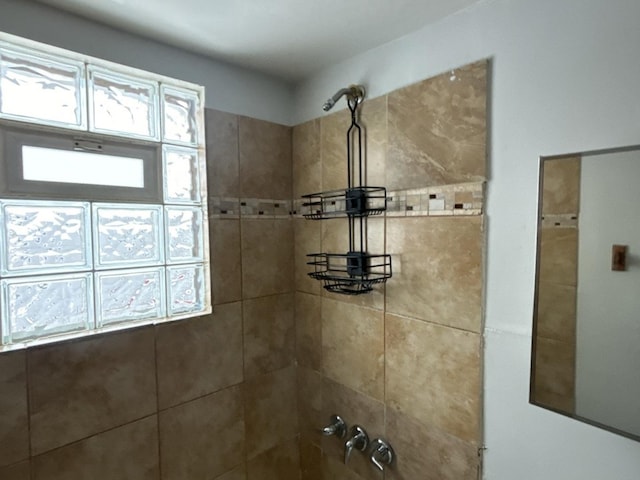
(354,272)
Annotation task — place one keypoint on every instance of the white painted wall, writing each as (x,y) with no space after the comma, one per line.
(608,307)
(228,88)
(565,78)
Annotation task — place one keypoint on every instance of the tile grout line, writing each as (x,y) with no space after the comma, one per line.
(157,413)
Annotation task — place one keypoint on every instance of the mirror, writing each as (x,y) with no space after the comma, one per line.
(585,359)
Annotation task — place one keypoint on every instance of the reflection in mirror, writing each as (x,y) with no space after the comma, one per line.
(586,334)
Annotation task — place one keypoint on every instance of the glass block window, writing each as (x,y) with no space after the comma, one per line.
(103,215)
(127,235)
(40,238)
(180,108)
(130,294)
(39,88)
(34,307)
(122,105)
(182,183)
(186,289)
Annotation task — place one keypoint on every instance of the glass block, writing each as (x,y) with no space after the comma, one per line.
(181,178)
(184,234)
(37,88)
(44,237)
(39,306)
(127,235)
(123,295)
(186,289)
(121,104)
(180,109)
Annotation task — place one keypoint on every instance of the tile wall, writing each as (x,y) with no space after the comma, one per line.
(405,362)
(207,398)
(242,393)
(555,339)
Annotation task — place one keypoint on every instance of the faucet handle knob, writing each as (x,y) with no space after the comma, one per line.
(337,427)
(382,454)
(358,439)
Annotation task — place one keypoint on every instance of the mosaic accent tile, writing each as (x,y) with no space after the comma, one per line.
(565,220)
(447,200)
(264,208)
(224,207)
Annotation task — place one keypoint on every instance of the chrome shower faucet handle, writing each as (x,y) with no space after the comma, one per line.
(337,427)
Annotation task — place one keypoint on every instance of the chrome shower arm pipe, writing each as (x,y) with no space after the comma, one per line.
(354,92)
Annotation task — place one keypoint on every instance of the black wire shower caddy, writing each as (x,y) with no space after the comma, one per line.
(355,272)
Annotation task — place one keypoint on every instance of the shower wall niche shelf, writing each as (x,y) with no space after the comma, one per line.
(356,271)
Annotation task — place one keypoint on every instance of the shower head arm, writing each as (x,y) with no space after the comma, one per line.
(354,93)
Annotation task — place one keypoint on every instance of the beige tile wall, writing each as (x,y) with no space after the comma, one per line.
(555,342)
(211,397)
(405,362)
(218,397)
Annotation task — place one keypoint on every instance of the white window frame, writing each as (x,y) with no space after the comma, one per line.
(13,184)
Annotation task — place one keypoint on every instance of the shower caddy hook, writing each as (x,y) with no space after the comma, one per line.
(354,272)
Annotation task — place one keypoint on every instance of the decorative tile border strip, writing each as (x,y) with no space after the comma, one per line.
(446,200)
(224,207)
(265,208)
(234,208)
(567,220)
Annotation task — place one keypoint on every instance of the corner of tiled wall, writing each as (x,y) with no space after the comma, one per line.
(213,396)
(405,362)
(241,394)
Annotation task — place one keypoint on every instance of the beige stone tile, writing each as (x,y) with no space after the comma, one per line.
(222,153)
(307,169)
(556,314)
(437,271)
(265,159)
(356,409)
(561,185)
(433,374)
(267,262)
(311,414)
(563,403)
(271,411)
(335,239)
(373,119)
(203,438)
(308,236)
(555,367)
(437,130)
(17,471)
(353,346)
(558,261)
(333,468)
(14,425)
(428,453)
(226,262)
(333,145)
(84,387)
(310,461)
(199,356)
(308,331)
(269,334)
(238,473)
(281,462)
(130,451)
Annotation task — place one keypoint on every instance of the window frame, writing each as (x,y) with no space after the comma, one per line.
(13,184)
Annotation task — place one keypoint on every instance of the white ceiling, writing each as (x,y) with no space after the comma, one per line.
(289,39)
